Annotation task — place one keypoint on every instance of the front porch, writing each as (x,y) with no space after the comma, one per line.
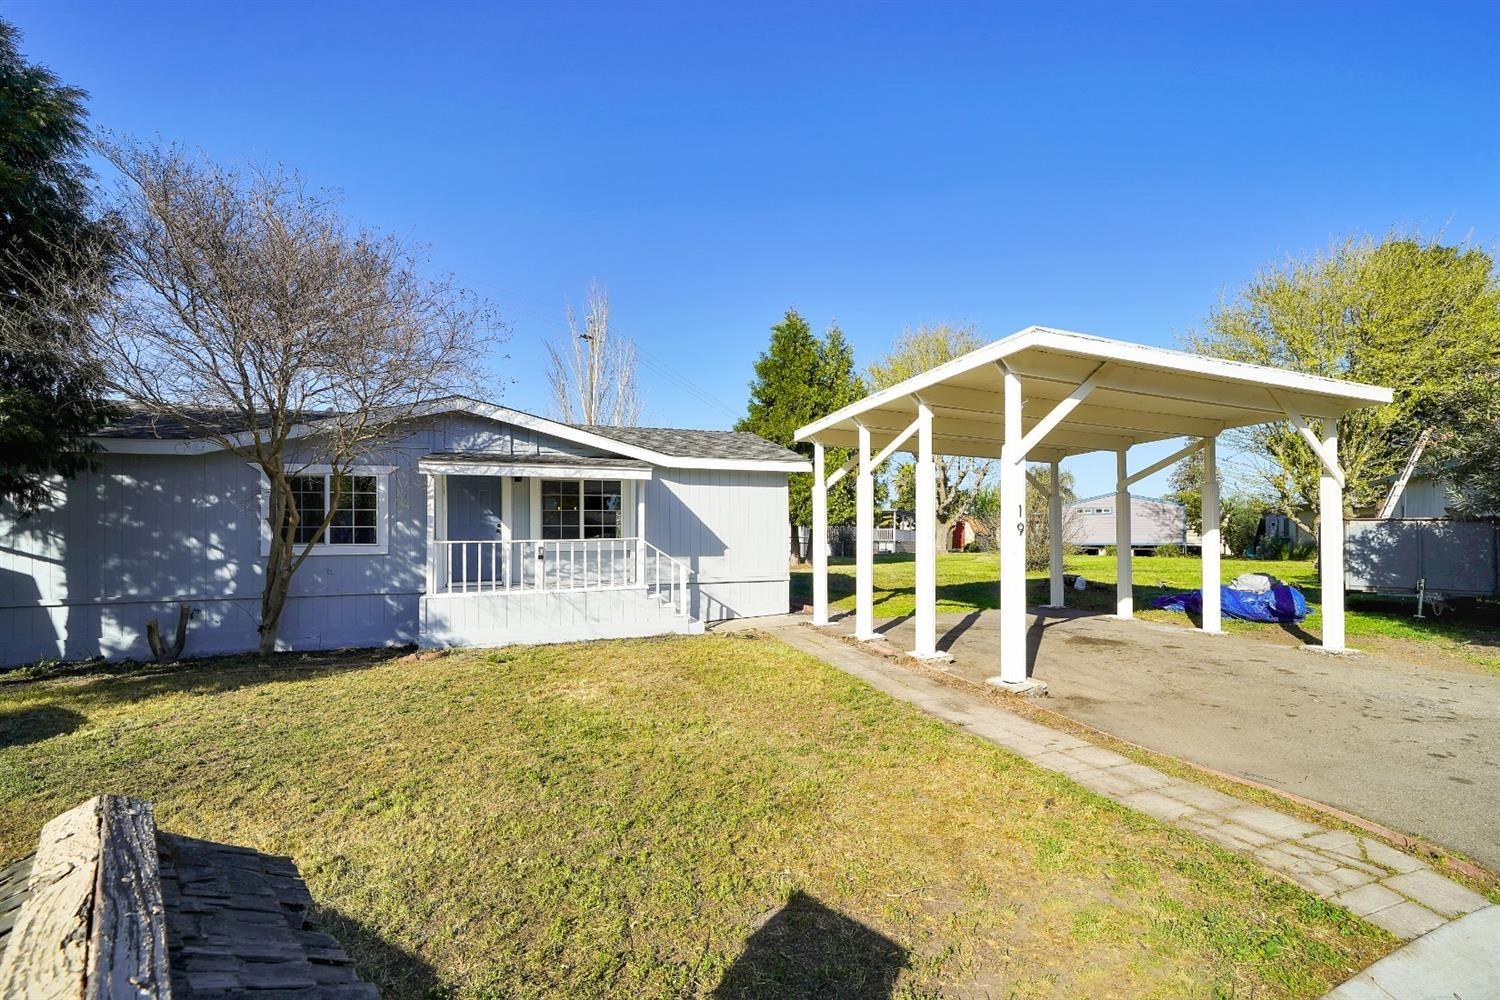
(545,549)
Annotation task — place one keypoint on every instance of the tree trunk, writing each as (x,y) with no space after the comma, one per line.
(796,544)
(944,536)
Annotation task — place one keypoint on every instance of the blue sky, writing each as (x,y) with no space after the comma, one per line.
(1108,168)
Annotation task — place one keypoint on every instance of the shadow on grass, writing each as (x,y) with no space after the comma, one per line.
(37,723)
(112,683)
(395,970)
(808,950)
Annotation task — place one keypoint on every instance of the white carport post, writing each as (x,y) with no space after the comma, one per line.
(1124,585)
(1212,545)
(1331,539)
(1012,528)
(819,537)
(926,490)
(1055,537)
(864,542)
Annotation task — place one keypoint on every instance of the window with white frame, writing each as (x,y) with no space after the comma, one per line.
(358,503)
(580,508)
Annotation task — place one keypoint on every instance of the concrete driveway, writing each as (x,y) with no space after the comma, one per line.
(1415,748)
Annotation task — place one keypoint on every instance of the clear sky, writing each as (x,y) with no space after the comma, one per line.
(1108,168)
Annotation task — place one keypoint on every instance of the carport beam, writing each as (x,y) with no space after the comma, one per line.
(819,537)
(864,542)
(1055,536)
(1331,540)
(926,567)
(1124,589)
(1212,545)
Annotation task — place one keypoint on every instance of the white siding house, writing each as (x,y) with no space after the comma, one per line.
(475,524)
(1090,523)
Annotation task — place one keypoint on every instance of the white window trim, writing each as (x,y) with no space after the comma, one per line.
(627,507)
(382,474)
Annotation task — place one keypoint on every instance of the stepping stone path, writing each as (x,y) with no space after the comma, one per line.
(1371,879)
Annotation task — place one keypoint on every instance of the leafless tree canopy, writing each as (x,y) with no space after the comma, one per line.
(247,293)
(593,376)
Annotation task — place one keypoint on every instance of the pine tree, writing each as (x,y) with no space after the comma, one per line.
(49,403)
(799,378)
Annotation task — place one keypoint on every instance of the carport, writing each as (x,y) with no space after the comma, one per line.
(1043,395)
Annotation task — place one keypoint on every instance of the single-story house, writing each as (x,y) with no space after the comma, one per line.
(1089,523)
(474,523)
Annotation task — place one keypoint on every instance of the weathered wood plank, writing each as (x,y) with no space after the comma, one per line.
(128,947)
(46,957)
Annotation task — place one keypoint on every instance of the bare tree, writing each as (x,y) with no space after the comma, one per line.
(592,375)
(244,306)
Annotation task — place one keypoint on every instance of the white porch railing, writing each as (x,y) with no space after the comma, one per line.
(584,564)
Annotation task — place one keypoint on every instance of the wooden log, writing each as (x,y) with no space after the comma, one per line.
(92,925)
(128,946)
(47,956)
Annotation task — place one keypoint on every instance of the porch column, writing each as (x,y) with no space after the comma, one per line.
(1212,545)
(640,532)
(1331,540)
(1012,527)
(864,542)
(432,553)
(819,537)
(1124,585)
(1055,537)
(926,567)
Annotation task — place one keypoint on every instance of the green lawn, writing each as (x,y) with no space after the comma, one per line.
(967,581)
(682,816)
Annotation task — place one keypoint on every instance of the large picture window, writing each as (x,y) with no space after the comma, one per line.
(580,508)
(358,522)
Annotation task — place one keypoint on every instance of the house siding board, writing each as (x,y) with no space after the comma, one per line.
(1152,522)
(729,528)
(125,543)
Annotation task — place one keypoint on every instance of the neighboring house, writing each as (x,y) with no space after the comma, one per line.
(1089,523)
(477,524)
(1278,529)
(965,531)
(1424,496)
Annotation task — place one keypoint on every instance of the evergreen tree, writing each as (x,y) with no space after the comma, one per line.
(49,402)
(799,378)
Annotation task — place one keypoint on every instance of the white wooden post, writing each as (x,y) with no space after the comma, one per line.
(1124,585)
(1055,538)
(640,532)
(1012,528)
(819,536)
(864,542)
(1331,542)
(1212,545)
(926,555)
(432,549)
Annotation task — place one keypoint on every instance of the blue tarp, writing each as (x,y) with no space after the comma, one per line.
(1279,604)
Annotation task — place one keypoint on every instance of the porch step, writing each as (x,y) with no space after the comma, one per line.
(497,619)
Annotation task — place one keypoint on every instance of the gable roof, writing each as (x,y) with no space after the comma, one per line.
(141,431)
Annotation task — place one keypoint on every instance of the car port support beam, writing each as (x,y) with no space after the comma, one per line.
(819,537)
(1011,526)
(1212,545)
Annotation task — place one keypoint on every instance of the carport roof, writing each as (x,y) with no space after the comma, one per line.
(1135,394)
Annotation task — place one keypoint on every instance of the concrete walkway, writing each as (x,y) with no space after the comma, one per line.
(1448,963)
(1416,748)
(1388,888)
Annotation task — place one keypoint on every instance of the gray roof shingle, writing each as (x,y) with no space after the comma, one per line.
(139,423)
(696,444)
